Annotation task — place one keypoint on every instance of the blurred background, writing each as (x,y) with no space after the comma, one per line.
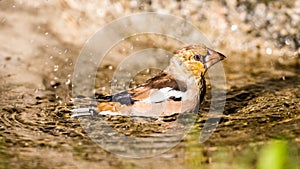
(41,41)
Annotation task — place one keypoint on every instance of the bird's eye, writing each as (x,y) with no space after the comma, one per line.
(197,57)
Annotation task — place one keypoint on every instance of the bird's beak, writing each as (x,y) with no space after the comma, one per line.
(212,58)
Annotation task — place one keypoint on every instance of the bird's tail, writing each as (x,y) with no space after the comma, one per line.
(87,105)
(122,98)
(83,112)
(90,104)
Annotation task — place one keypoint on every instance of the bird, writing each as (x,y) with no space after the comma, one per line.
(177,89)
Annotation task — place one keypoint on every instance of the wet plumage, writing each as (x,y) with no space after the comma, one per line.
(177,89)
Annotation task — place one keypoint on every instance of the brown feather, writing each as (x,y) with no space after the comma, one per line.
(160,81)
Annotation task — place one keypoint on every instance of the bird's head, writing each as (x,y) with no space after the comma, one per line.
(198,58)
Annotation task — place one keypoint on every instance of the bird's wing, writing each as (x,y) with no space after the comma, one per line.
(158,89)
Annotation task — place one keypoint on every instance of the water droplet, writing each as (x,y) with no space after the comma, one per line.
(133,3)
(68,82)
(234,27)
(287,41)
(185,12)
(269,51)
(118,7)
(100,12)
(56,68)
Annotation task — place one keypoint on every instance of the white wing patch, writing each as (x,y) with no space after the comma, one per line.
(161,95)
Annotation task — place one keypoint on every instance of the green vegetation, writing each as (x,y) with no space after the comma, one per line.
(277,155)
